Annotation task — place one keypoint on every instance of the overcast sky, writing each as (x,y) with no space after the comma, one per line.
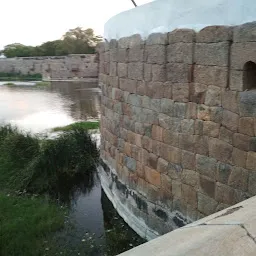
(32,22)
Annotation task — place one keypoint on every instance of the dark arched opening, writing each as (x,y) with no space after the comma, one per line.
(249,75)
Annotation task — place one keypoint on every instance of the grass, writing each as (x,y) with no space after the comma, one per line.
(83,125)
(9,84)
(19,77)
(25,224)
(43,84)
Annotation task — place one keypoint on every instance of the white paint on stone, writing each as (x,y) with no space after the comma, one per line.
(167,15)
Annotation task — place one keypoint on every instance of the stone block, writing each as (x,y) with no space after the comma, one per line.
(158,73)
(252,182)
(206,166)
(190,178)
(189,195)
(180,110)
(152,161)
(226,135)
(173,154)
(223,172)
(198,93)
(180,92)
(213,96)
(147,72)
(187,126)
(147,143)
(182,35)
(207,186)
(171,138)
(152,176)
(187,142)
(241,141)
(155,105)
(155,90)
(245,32)
(157,38)
(239,157)
(238,178)
(122,70)
(155,54)
(188,160)
(178,72)
(211,129)
(138,140)
(220,150)
(224,194)
(157,133)
(216,54)
(201,145)
(246,126)
(130,163)
(203,113)
(162,165)
(141,88)
(216,114)
(167,106)
(166,185)
(128,85)
(251,161)
(199,127)
(236,80)
(122,55)
(180,53)
(136,54)
(206,204)
(134,100)
(211,75)
(143,157)
(170,123)
(176,189)
(247,104)
(191,112)
(230,120)
(214,34)
(113,55)
(113,81)
(106,56)
(229,101)
(242,53)
(135,71)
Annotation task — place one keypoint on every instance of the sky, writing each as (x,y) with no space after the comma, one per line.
(32,22)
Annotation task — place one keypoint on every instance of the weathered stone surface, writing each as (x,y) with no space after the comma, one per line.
(122,70)
(152,176)
(187,142)
(224,194)
(223,172)
(213,34)
(252,182)
(166,184)
(239,157)
(113,55)
(158,73)
(152,161)
(236,80)
(122,55)
(130,163)
(155,54)
(247,105)
(201,145)
(175,171)
(251,161)
(135,71)
(226,135)
(211,75)
(147,143)
(207,186)
(191,112)
(173,154)
(211,129)
(176,189)
(190,178)
(246,126)
(229,100)
(157,133)
(162,165)
(238,178)
(128,85)
(157,38)
(241,141)
(138,140)
(212,54)
(147,72)
(167,106)
(220,150)
(170,138)
(199,127)
(155,90)
(187,126)
(230,120)
(206,166)
(213,96)
(136,54)
(180,53)
(178,72)
(182,35)
(206,204)
(180,92)
(171,123)
(189,194)
(134,100)
(188,160)
(203,112)
(198,93)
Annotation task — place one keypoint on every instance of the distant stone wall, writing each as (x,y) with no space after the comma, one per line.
(57,67)
(178,124)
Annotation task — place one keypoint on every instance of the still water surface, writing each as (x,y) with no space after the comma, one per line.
(91,214)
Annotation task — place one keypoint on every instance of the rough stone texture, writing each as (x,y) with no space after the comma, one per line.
(177,126)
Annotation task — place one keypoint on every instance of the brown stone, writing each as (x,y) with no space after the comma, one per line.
(162,165)
(178,72)
(128,85)
(207,186)
(191,110)
(143,156)
(170,138)
(203,113)
(176,188)
(157,133)
(230,120)
(166,184)
(223,172)
(135,71)
(206,204)
(187,126)
(136,54)
(224,194)
(141,88)
(239,157)
(187,142)
(190,177)
(220,150)
(158,73)
(199,127)
(147,72)
(251,161)
(127,149)
(236,80)
(246,126)
(202,145)
(226,135)
(229,100)
(211,129)
(241,141)
(138,140)
(122,55)
(155,54)
(180,92)
(252,182)
(147,143)
(180,53)
(140,170)
(182,35)
(206,166)
(213,96)
(155,90)
(189,194)
(188,160)
(152,161)
(238,178)
(173,155)
(152,176)
(122,70)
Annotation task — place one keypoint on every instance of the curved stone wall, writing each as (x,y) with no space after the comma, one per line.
(178,124)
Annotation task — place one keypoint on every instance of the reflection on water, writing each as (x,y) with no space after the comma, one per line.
(39,109)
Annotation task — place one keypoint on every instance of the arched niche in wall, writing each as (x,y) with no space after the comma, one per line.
(249,75)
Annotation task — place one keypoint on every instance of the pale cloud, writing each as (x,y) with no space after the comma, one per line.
(33,22)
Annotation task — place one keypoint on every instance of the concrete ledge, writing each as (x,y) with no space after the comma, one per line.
(230,232)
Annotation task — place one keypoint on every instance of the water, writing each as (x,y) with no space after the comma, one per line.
(91,217)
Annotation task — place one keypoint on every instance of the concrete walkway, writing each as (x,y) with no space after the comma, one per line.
(228,232)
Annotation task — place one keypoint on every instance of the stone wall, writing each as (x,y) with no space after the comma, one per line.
(178,124)
(56,68)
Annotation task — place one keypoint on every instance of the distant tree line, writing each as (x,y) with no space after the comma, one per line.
(75,41)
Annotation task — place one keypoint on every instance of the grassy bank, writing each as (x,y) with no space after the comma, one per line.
(83,125)
(19,77)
